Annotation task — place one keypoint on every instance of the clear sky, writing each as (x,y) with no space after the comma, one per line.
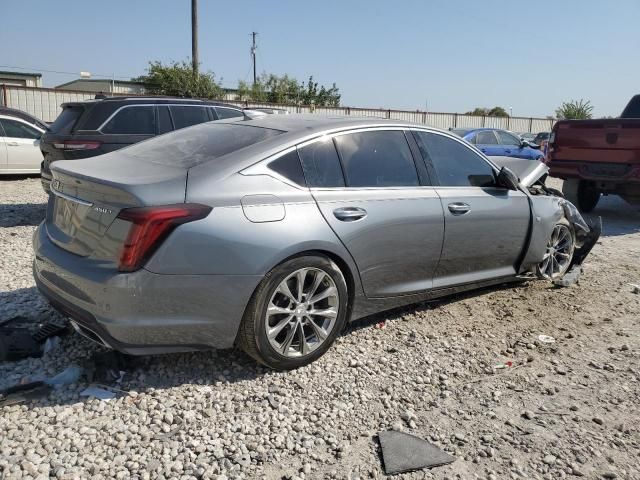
(455,55)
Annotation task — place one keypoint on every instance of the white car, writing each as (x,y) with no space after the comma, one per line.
(19,146)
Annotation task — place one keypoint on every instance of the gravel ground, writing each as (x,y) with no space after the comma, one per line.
(571,408)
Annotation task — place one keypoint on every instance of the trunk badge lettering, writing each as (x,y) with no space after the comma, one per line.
(102,210)
(56,185)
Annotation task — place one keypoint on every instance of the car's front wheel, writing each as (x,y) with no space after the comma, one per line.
(560,247)
(296,313)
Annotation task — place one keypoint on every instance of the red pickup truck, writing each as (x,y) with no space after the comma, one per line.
(597,157)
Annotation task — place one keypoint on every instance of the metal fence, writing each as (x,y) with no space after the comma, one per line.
(45,103)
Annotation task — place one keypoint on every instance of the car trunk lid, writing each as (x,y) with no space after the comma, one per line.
(87,197)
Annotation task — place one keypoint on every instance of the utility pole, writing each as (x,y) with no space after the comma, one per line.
(194,36)
(253,55)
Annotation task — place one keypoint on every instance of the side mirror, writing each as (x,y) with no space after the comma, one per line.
(524,144)
(507,179)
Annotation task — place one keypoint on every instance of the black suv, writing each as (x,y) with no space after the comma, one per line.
(90,128)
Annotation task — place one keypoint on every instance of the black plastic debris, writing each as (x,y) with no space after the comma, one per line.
(22,393)
(50,329)
(402,452)
(17,343)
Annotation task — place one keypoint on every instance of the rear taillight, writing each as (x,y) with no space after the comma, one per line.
(150,226)
(76,145)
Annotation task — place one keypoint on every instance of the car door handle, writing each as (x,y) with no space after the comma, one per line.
(13,144)
(349,214)
(507,151)
(459,208)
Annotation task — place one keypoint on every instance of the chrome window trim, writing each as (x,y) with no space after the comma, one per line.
(19,120)
(154,105)
(261,167)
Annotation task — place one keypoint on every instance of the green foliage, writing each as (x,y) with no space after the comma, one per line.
(178,79)
(489,112)
(286,90)
(575,110)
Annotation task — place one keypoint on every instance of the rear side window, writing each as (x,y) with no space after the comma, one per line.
(289,167)
(507,138)
(455,164)
(228,113)
(185,116)
(66,120)
(135,120)
(321,164)
(15,129)
(200,144)
(485,137)
(377,159)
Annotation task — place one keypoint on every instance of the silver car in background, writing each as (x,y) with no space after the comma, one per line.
(273,233)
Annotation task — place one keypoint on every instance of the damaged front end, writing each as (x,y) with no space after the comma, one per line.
(549,209)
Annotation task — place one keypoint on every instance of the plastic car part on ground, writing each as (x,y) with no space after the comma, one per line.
(402,452)
(17,342)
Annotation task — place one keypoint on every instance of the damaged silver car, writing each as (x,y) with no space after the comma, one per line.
(273,233)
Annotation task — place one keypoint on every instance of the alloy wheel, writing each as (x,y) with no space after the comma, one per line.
(302,312)
(559,252)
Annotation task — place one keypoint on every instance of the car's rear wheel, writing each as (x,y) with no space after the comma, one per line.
(560,247)
(296,313)
(581,193)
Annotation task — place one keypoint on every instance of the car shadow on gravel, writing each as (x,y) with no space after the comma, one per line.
(618,217)
(22,215)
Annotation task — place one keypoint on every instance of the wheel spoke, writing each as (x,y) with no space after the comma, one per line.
(274,331)
(289,338)
(283,288)
(320,332)
(316,283)
(327,313)
(301,275)
(304,346)
(275,310)
(329,292)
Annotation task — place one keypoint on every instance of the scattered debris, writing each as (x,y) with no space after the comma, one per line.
(381,325)
(18,342)
(502,366)
(635,288)
(402,452)
(97,392)
(570,278)
(68,376)
(546,339)
(23,392)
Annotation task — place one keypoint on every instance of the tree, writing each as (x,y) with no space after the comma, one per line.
(575,110)
(489,112)
(286,90)
(178,79)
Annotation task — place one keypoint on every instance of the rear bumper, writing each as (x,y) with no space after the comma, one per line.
(142,312)
(613,173)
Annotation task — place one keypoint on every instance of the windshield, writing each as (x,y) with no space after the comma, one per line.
(461,132)
(195,145)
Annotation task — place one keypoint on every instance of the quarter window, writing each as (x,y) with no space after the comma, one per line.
(228,113)
(187,115)
(289,167)
(455,164)
(507,138)
(377,159)
(321,164)
(16,129)
(485,137)
(137,120)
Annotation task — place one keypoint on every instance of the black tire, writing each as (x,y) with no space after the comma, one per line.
(581,193)
(252,336)
(588,197)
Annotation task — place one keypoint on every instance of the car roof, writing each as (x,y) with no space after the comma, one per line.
(308,124)
(151,99)
(27,117)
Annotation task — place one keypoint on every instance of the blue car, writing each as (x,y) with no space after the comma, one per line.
(499,143)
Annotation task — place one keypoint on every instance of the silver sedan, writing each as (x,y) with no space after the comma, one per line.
(273,233)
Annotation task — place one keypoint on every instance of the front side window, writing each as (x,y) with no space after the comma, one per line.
(455,164)
(15,129)
(136,120)
(187,115)
(377,159)
(228,113)
(485,137)
(321,164)
(507,138)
